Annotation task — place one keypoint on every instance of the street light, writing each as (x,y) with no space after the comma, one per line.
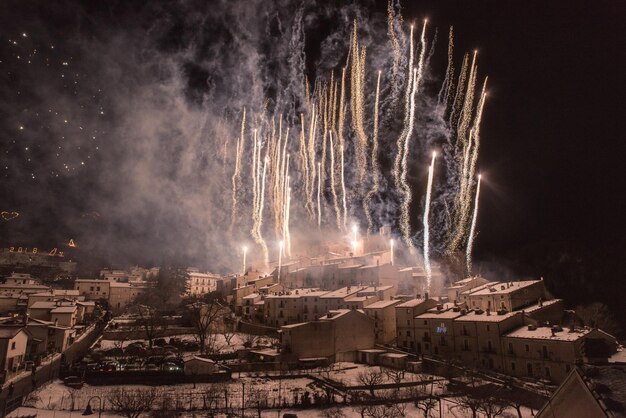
(88,410)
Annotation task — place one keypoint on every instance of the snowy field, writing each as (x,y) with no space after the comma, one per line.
(55,400)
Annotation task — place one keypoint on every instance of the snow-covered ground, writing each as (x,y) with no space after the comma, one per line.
(54,400)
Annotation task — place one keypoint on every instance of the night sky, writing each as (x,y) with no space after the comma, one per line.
(552,138)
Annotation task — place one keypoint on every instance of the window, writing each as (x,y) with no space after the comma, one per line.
(489,347)
(544,351)
(425,322)
(408,322)
(511,348)
(487,328)
(529,369)
(465,345)
(13,345)
(513,366)
(408,333)
(548,375)
(526,348)
(568,368)
(91,288)
(408,311)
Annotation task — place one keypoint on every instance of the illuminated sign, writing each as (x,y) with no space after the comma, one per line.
(7,216)
(25,250)
(441,329)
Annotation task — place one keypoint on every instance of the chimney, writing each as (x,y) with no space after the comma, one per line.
(426,295)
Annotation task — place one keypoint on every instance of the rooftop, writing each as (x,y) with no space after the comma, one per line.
(472,316)
(411,303)
(43,305)
(64,309)
(9,331)
(443,314)
(343,292)
(505,287)
(545,333)
(382,304)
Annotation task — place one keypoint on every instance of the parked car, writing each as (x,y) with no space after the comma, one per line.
(74,382)
(108,366)
(151,367)
(171,367)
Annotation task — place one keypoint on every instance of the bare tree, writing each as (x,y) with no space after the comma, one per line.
(396,376)
(152,322)
(395,410)
(426,404)
(131,403)
(206,316)
(492,406)
(469,403)
(371,378)
(598,315)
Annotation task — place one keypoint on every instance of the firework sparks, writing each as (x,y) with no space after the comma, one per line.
(427,266)
(470,238)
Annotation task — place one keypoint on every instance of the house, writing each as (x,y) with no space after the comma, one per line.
(405,321)
(199,366)
(455,290)
(384,315)
(13,341)
(201,283)
(45,337)
(550,352)
(64,316)
(338,336)
(509,296)
(93,289)
(589,392)
(477,336)
(434,330)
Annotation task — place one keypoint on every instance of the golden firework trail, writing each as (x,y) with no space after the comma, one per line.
(283,176)
(343,193)
(287,211)
(407,111)
(280,257)
(342,109)
(426,222)
(375,163)
(395,45)
(447,87)
(272,174)
(405,226)
(254,184)
(357,105)
(405,221)
(236,179)
(470,238)
(319,195)
(312,166)
(460,93)
(333,189)
(304,160)
(463,198)
(245,251)
(475,131)
(259,232)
